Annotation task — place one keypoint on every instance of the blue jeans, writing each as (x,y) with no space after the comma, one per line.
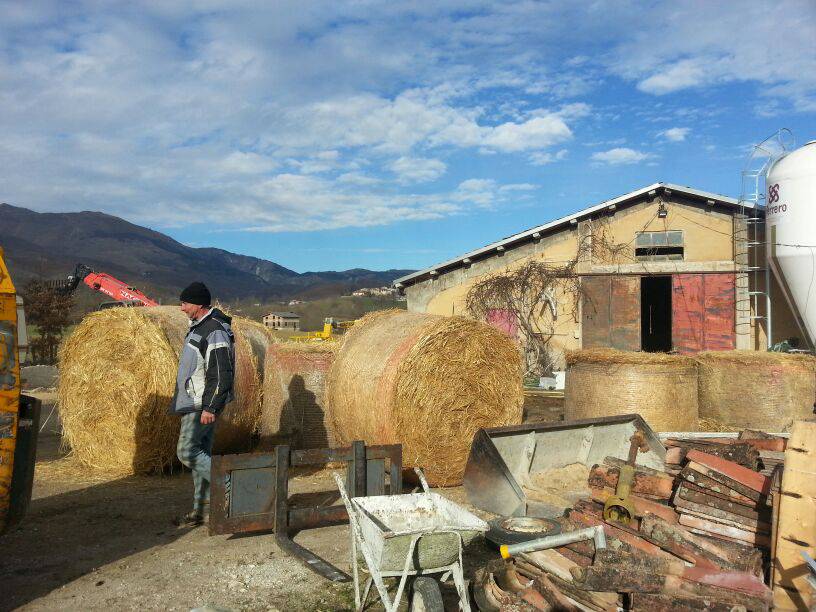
(195,451)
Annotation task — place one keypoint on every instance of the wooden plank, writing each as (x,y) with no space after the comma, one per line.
(675,455)
(732,470)
(596,319)
(703,312)
(655,602)
(697,495)
(610,312)
(685,506)
(727,532)
(677,539)
(719,306)
(732,580)
(625,313)
(559,566)
(742,589)
(742,453)
(691,467)
(687,313)
(712,486)
(796,531)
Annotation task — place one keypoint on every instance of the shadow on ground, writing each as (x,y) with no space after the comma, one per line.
(70,534)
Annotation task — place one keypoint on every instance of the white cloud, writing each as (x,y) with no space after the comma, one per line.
(276,113)
(417,169)
(248,163)
(537,133)
(688,44)
(676,76)
(675,134)
(620,155)
(357,178)
(539,158)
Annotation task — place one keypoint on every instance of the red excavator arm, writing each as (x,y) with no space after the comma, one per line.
(107,284)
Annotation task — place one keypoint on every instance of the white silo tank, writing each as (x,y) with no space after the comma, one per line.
(790,210)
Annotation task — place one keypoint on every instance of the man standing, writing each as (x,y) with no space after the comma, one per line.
(203,388)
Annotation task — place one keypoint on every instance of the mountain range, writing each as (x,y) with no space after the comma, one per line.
(49,245)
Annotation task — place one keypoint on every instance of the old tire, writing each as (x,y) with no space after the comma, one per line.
(426,596)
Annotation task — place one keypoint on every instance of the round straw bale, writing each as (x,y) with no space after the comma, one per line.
(117,378)
(294,407)
(756,389)
(237,422)
(427,382)
(659,387)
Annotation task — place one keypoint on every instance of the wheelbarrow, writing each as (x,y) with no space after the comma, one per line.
(415,534)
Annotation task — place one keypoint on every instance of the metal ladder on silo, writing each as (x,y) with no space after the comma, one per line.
(752,203)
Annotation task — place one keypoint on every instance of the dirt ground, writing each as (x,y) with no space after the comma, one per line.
(92,544)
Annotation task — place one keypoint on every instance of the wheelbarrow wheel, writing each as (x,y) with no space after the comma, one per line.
(426,596)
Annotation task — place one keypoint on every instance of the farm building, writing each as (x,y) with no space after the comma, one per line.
(282,320)
(665,269)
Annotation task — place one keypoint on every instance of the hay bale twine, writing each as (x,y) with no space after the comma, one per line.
(427,382)
(604,382)
(237,422)
(294,399)
(117,378)
(756,390)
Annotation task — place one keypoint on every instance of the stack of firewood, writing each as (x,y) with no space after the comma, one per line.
(699,539)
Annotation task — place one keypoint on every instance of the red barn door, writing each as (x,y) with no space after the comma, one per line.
(703,312)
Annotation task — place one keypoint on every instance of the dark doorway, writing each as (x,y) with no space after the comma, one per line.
(656,313)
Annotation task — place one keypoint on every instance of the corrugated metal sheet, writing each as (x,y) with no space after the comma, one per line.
(703,312)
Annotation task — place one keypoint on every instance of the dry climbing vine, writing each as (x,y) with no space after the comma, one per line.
(531,295)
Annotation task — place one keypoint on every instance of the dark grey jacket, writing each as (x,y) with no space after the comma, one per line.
(206,366)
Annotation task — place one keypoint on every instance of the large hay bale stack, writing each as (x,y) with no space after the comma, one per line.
(117,378)
(427,382)
(604,382)
(238,421)
(756,389)
(294,399)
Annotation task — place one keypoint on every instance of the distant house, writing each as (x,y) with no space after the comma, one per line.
(295,302)
(375,291)
(283,320)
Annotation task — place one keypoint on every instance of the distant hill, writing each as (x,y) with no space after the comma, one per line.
(49,245)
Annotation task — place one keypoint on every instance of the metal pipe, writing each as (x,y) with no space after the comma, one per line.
(768,322)
(597,534)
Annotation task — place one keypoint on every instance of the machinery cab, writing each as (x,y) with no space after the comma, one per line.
(19,414)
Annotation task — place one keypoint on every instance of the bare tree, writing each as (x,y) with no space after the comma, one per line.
(532,293)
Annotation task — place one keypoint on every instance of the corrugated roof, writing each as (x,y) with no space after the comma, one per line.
(285,315)
(526,236)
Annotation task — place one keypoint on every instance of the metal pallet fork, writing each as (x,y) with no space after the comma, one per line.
(250,493)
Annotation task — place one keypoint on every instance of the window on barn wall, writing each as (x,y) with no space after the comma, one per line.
(659,246)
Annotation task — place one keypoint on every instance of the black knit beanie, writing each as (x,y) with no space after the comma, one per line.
(196,293)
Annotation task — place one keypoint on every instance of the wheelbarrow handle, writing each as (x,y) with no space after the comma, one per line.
(342,488)
(421,475)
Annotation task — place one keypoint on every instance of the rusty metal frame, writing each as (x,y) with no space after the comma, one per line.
(365,476)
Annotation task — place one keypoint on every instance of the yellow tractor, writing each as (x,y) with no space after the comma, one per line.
(19,414)
(330,326)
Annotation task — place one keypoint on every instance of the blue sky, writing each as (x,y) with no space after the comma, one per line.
(333,135)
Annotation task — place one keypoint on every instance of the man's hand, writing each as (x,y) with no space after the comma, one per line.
(207,417)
